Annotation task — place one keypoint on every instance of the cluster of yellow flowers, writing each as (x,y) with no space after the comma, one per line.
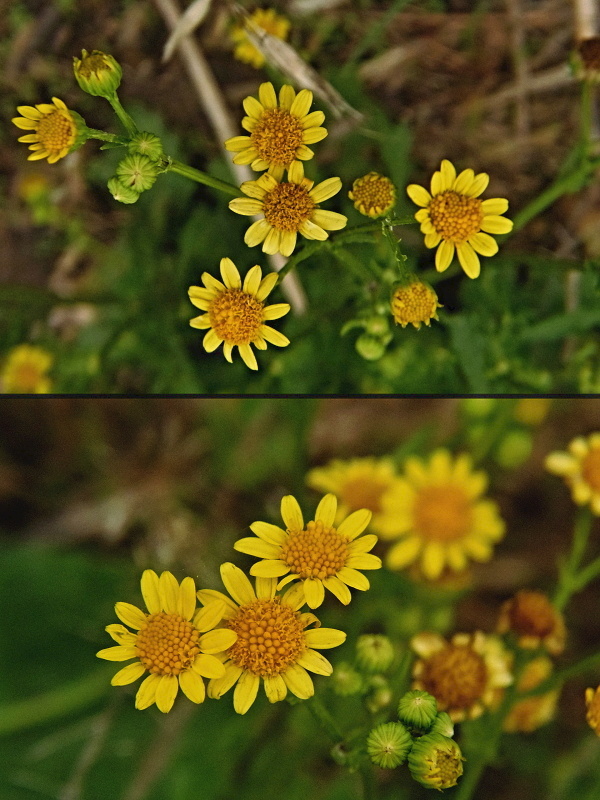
(255,632)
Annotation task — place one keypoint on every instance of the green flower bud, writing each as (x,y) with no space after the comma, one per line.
(514,449)
(146,144)
(435,761)
(122,193)
(388,745)
(478,406)
(374,653)
(97,73)
(346,681)
(417,709)
(443,724)
(371,348)
(137,172)
(377,326)
(380,694)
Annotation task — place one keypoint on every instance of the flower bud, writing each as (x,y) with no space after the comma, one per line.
(417,709)
(435,761)
(97,73)
(443,724)
(138,172)
(346,681)
(380,694)
(122,193)
(369,347)
(514,449)
(388,745)
(146,144)
(374,653)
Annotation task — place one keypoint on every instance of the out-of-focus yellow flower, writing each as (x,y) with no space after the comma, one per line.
(25,370)
(267,19)
(373,195)
(580,468)
(235,314)
(289,209)
(592,704)
(531,713)
(414,303)
(280,130)
(55,130)
(535,622)
(174,643)
(465,675)
(440,519)
(532,410)
(272,642)
(454,217)
(317,554)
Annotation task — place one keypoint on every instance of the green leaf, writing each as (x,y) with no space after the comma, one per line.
(468,346)
(561,325)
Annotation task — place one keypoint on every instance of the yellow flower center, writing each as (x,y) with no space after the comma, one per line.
(236,316)
(56,131)
(96,62)
(373,194)
(315,552)
(270,637)
(590,469)
(168,644)
(287,206)
(442,513)
(361,493)
(455,216)
(446,769)
(414,304)
(277,136)
(456,676)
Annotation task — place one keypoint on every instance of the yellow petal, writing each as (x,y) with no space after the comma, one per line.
(326,189)
(432,560)
(364,561)
(312,135)
(246,690)
(192,686)
(257,232)
(130,615)
(121,635)
(291,513)
(324,638)
(479,185)
(314,119)
(448,173)
(253,108)
(464,181)
(355,524)
(444,256)
(269,533)
(168,588)
(257,547)
(247,206)
(432,240)
(217,641)
(209,616)
(484,244)
(286,96)
(128,674)
(363,544)
(266,286)
(217,687)
(302,103)
(354,578)
(252,280)
(248,356)
(495,205)
(166,692)
(208,666)
(493,223)
(119,652)
(312,231)
(469,260)
(146,694)
(314,592)
(404,552)
(288,243)
(186,602)
(275,688)
(271,568)
(238,143)
(211,341)
(329,220)
(237,584)
(299,681)
(272,242)
(326,510)
(338,588)
(267,96)
(315,662)
(274,337)
(230,274)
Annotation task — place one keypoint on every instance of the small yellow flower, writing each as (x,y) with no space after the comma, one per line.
(439,516)
(235,314)
(318,554)
(54,129)
(279,130)
(454,215)
(174,643)
(414,303)
(358,483)
(97,73)
(373,195)
(289,209)
(531,713)
(533,619)
(465,675)
(272,642)
(592,704)
(267,19)
(580,468)
(25,370)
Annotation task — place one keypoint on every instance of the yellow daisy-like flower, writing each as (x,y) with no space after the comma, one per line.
(373,195)
(289,209)
(318,554)
(272,641)
(235,314)
(279,130)
(531,713)
(454,216)
(53,126)
(174,643)
(25,370)
(271,22)
(440,519)
(414,304)
(592,704)
(532,618)
(580,468)
(465,675)
(358,483)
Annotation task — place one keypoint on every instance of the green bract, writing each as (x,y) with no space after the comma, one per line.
(97,73)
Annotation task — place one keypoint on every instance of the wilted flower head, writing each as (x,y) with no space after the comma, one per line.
(533,619)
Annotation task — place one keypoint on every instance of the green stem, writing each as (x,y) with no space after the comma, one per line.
(126,120)
(493,431)
(587,574)
(568,579)
(367,777)
(589,664)
(94,133)
(394,243)
(327,722)
(201,177)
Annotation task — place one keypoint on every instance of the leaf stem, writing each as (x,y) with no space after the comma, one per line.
(568,580)
(201,177)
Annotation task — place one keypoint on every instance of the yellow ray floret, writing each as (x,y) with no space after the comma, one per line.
(580,469)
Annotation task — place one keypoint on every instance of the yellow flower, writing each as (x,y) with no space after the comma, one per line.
(174,643)
(97,73)
(532,410)
(54,129)
(535,622)
(466,675)
(358,483)
(272,641)
(373,195)
(580,468)
(279,131)
(236,314)
(440,519)
(25,370)
(592,704)
(454,215)
(319,555)
(414,303)
(267,19)
(289,209)
(531,713)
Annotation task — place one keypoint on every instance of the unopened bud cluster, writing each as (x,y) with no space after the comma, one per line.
(137,172)
(375,654)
